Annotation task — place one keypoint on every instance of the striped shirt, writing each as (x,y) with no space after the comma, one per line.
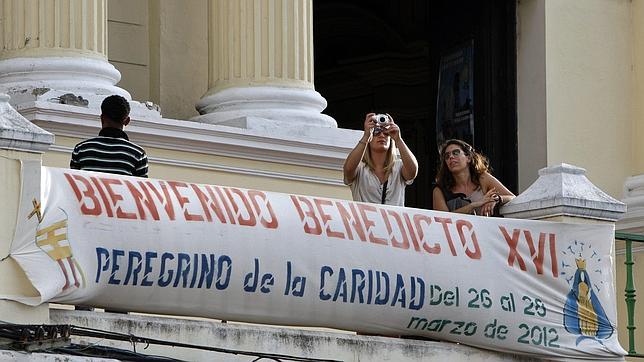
(110,152)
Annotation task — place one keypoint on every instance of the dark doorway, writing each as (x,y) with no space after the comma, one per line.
(385,55)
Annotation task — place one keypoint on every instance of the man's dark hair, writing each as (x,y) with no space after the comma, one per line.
(115,108)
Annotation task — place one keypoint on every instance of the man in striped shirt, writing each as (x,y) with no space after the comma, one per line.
(111,151)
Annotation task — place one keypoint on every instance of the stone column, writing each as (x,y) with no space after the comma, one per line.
(261,64)
(19,140)
(633,221)
(52,48)
(560,43)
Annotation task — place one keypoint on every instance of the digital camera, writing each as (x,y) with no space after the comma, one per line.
(381,119)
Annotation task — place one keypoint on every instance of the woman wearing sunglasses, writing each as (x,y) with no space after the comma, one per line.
(372,170)
(464,184)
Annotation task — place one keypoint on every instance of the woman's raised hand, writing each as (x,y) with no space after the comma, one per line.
(392,129)
(369,124)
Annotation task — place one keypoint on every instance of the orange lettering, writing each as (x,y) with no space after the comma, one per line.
(369,223)
(444,221)
(108,182)
(183,200)
(106,202)
(316,229)
(326,218)
(208,204)
(394,241)
(473,254)
(512,243)
(418,218)
(87,193)
(231,217)
(350,220)
(138,198)
(254,194)
(412,233)
(166,199)
(553,256)
(250,221)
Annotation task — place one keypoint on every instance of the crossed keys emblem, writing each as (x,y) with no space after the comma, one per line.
(53,241)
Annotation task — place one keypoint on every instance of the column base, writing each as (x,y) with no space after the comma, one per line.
(294,106)
(24,79)
(633,220)
(75,81)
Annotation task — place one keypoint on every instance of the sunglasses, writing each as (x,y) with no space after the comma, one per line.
(455,152)
(378,130)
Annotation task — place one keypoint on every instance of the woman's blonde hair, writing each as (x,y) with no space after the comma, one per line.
(479,164)
(390,158)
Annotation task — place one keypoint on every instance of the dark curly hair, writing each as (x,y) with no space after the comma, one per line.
(115,108)
(479,164)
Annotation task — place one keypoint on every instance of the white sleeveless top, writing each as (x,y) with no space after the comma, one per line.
(477,195)
(459,201)
(367,187)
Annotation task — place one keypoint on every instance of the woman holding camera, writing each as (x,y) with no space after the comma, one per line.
(464,184)
(372,170)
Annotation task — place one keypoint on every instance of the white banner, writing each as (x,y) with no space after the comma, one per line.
(539,288)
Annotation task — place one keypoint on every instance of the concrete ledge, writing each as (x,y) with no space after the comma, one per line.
(17,133)
(250,138)
(279,340)
(564,190)
(16,356)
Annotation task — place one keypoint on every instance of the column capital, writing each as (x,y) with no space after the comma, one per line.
(17,133)
(564,190)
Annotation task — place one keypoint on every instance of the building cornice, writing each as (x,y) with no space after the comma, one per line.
(318,147)
(227,169)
